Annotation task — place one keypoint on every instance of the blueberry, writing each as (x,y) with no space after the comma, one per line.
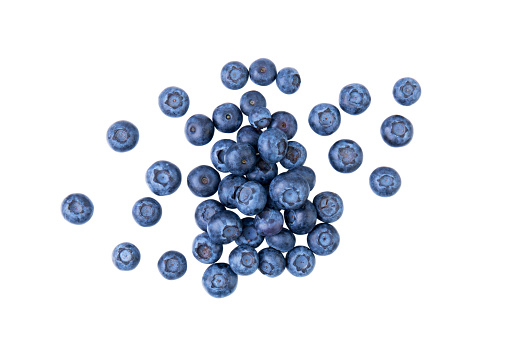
(224,227)
(329,206)
(286,122)
(240,158)
(406,91)
(323,239)
(243,260)
(307,173)
(77,208)
(174,102)
(227,118)
(249,234)
(205,210)
(272,262)
(163,178)
(234,75)
(345,156)
(126,256)
(251,198)
(147,212)
(289,191)
(260,117)
(302,220)
(283,241)
(249,135)
(263,172)
(227,189)
(205,251)
(122,136)
(397,131)
(300,261)
(272,145)
(199,130)
(172,265)
(250,100)
(219,280)
(269,222)
(288,80)
(262,72)
(218,152)
(385,181)
(324,119)
(203,181)
(296,155)
(354,99)
(270,203)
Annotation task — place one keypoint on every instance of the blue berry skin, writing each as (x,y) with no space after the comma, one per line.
(249,234)
(260,117)
(300,261)
(174,102)
(296,155)
(406,91)
(205,251)
(272,262)
(251,198)
(203,181)
(329,206)
(385,181)
(397,131)
(263,172)
(307,173)
(272,145)
(240,158)
(163,178)
(354,99)
(283,241)
(289,191)
(269,222)
(126,256)
(199,130)
(270,203)
(323,239)
(250,100)
(147,212)
(122,136)
(262,72)
(172,265)
(288,80)
(345,156)
(324,119)
(224,227)
(243,260)
(227,118)
(227,189)
(205,210)
(302,220)
(286,122)
(77,208)
(219,280)
(234,75)
(249,135)
(218,152)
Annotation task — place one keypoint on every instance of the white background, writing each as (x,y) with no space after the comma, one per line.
(430,262)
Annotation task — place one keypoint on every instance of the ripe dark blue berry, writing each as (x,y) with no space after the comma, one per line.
(77,208)
(174,102)
(385,181)
(122,136)
(263,172)
(218,152)
(240,158)
(296,155)
(323,239)
(272,262)
(260,117)
(199,130)
(300,261)
(286,122)
(227,118)
(234,75)
(163,177)
(227,189)
(224,227)
(249,234)
(126,256)
(354,99)
(283,241)
(329,206)
(251,198)
(272,145)
(147,212)
(345,156)
(172,265)
(269,222)
(249,135)
(288,80)
(203,181)
(289,191)
(205,210)
(243,260)
(307,173)
(219,280)
(324,119)
(302,220)
(406,91)
(250,100)
(397,131)
(262,72)
(205,251)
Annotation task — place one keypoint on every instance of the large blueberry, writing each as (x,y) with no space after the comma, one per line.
(269,222)
(219,280)
(262,72)
(406,91)
(126,256)
(122,136)
(163,177)
(203,181)
(288,80)
(227,189)
(354,99)
(77,208)
(249,135)
(147,212)
(302,220)
(172,265)
(272,145)
(300,261)
(260,117)
(205,251)
(174,102)
(397,131)
(283,241)
(272,262)
(250,100)
(224,227)
(218,152)
(205,210)
(324,119)
(385,181)
(289,190)
(345,156)
(199,130)
(307,173)
(263,172)
(251,198)
(234,75)
(249,234)
(296,155)
(284,121)
(323,239)
(329,206)
(227,118)
(240,158)
(243,260)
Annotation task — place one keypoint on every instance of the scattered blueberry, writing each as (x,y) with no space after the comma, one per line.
(251,198)
(234,75)
(147,212)
(324,119)
(240,158)
(163,178)
(345,156)
(249,234)
(249,135)
(296,155)
(283,241)
(263,172)
(126,256)
(302,220)
(323,239)
(250,100)
(227,189)
(205,210)
(272,262)
(172,265)
(262,72)
(227,118)
(77,208)
(289,190)
(174,102)
(122,136)
(199,130)
(354,99)
(397,131)
(205,251)
(224,227)
(288,80)
(260,117)
(218,152)
(272,145)
(329,206)
(243,260)
(385,181)
(269,222)
(406,91)
(203,181)
(300,261)
(286,122)
(307,173)
(219,280)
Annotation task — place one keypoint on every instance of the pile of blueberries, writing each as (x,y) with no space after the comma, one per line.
(254,186)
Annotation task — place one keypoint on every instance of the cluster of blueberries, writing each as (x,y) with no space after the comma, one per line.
(254,185)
